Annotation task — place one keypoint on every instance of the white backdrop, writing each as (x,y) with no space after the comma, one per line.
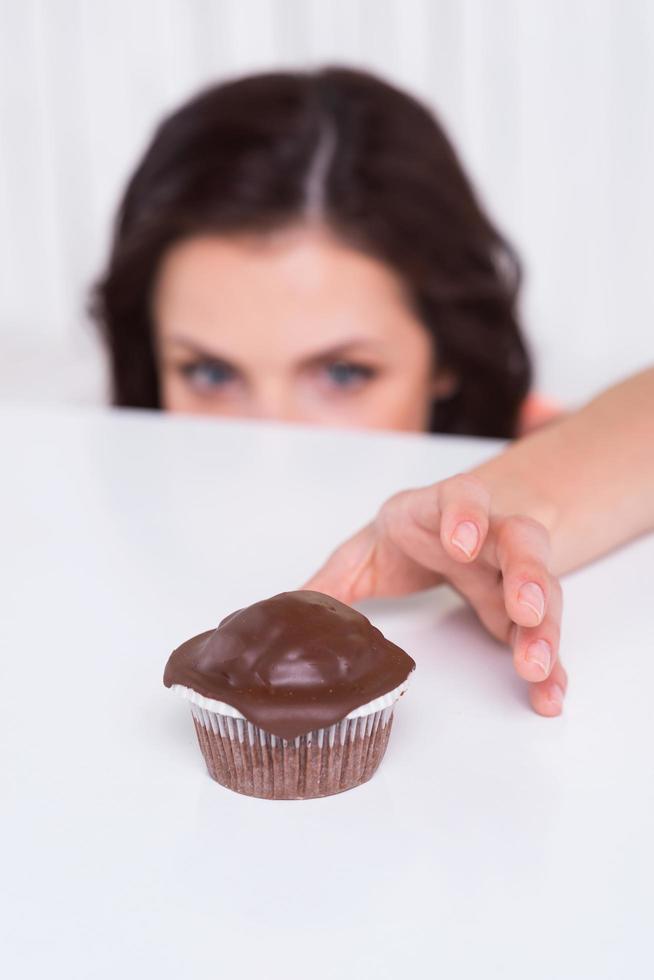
(550,101)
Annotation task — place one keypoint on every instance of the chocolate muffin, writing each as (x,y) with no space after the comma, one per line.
(292,697)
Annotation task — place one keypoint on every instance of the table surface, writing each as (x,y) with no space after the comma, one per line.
(491,843)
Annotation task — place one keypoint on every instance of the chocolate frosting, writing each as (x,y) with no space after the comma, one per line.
(290,664)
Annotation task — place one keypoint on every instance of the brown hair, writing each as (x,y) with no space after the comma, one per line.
(262,152)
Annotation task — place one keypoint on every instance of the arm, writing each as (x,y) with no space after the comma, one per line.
(588,479)
(501,534)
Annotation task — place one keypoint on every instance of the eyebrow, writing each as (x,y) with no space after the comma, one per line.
(330,353)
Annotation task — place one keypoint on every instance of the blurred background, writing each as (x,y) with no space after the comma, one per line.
(550,103)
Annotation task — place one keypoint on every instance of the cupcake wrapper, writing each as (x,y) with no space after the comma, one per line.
(243,757)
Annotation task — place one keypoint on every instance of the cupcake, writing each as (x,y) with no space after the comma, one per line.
(292,698)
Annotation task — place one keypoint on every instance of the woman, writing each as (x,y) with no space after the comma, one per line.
(307,247)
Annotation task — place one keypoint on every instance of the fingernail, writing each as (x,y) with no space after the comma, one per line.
(540,654)
(466,538)
(556,695)
(533,597)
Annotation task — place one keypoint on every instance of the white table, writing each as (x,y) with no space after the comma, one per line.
(491,843)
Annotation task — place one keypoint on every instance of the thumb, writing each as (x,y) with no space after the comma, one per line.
(344,574)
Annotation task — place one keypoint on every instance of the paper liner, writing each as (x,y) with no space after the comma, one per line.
(222,708)
(243,757)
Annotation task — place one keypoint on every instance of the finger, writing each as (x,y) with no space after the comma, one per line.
(343,570)
(465,505)
(453,514)
(547,697)
(536,648)
(410,522)
(523,556)
(478,584)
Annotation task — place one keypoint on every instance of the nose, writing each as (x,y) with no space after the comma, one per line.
(275,402)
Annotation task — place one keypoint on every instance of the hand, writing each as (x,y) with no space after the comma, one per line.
(447,533)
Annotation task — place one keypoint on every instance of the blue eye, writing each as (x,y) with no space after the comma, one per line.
(208,374)
(343,374)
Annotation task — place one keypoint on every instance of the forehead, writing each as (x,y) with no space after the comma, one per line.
(285,281)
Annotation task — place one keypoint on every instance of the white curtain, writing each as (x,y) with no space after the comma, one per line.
(551,103)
